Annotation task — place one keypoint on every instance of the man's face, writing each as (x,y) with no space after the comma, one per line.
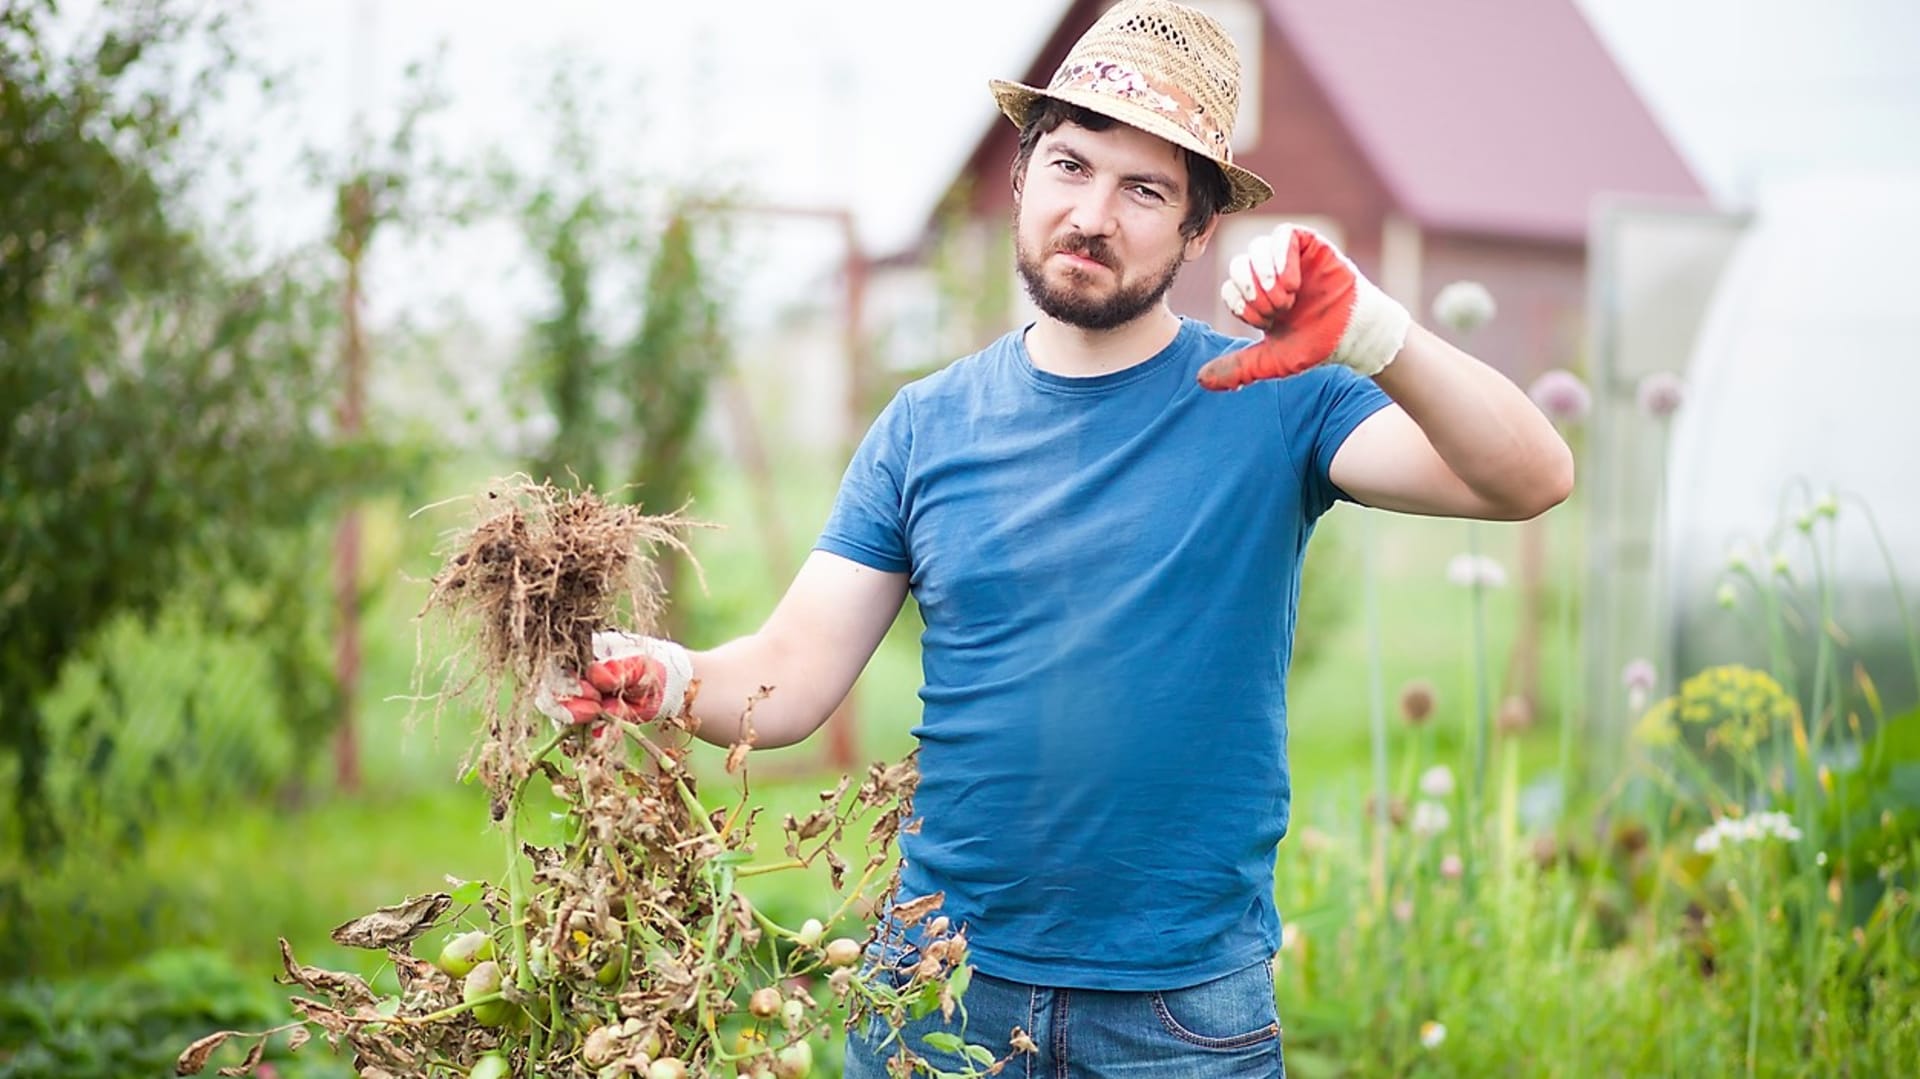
(1096,224)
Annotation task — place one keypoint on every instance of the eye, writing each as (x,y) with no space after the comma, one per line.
(1148,193)
(1067,165)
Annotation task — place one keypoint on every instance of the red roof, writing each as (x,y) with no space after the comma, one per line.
(1492,116)
(1496,117)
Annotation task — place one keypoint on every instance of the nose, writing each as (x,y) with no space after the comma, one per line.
(1092,213)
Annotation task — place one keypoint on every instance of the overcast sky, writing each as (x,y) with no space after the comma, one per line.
(854,103)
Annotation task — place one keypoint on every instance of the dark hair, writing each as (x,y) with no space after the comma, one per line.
(1207,188)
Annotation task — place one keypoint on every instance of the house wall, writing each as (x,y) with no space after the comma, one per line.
(1321,178)
(1539,290)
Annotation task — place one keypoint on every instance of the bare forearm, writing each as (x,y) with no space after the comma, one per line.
(737,673)
(804,659)
(1482,425)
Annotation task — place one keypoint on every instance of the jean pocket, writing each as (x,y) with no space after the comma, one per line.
(890,962)
(1233,1012)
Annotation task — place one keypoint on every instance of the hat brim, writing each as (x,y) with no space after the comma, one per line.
(1245,189)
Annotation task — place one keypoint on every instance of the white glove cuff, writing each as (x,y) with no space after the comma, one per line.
(677,662)
(1376,332)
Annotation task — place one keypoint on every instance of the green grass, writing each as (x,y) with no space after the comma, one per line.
(236,875)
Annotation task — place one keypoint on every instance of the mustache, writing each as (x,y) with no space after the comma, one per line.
(1090,247)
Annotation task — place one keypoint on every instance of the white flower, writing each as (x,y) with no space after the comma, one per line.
(1437,782)
(1475,571)
(1432,1034)
(1464,306)
(1734,830)
(1429,819)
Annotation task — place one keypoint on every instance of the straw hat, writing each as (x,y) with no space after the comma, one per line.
(1163,68)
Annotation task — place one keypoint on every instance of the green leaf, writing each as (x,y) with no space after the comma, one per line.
(962,978)
(469,892)
(980,1055)
(945,1042)
(926,1003)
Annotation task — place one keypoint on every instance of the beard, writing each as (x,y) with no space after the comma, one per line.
(1070,302)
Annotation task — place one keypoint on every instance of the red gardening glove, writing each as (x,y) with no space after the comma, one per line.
(632,678)
(1313,307)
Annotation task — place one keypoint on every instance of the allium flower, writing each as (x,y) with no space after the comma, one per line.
(1561,395)
(1437,782)
(1451,867)
(1515,715)
(1639,677)
(1734,830)
(1476,571)
(1660,394)
(1416,702)
(1403,910)
(1430,818)
(1726,595)
(1432,1034)
(1464,306)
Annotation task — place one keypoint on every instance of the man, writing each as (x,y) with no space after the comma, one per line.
(1106,550)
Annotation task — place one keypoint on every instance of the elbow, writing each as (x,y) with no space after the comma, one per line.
(1550,484)
(1526,491)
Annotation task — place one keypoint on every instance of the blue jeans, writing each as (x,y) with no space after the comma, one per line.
(1227,1028)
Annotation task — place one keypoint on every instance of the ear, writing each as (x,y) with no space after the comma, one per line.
(1198,245)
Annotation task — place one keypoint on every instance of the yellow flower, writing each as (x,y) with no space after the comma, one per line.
(1739,706)
(1656,727)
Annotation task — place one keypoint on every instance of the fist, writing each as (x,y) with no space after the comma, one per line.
(632,678)
(1311,306)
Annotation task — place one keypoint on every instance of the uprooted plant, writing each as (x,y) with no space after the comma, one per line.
(626,948)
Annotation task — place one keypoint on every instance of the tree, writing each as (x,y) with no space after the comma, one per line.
(623,412)
(158,419)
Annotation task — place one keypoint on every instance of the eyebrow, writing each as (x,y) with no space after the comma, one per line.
(1158,179)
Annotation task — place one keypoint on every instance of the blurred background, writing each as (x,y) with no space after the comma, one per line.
(281,283)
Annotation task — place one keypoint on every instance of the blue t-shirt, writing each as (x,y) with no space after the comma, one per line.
(1108,570)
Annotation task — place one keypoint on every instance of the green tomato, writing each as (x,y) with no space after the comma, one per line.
(843,952)
(794,1062)
(491,1066)
(610,972)
(461,953)
(484,981)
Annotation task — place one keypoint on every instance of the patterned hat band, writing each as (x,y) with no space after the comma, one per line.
(1117,80)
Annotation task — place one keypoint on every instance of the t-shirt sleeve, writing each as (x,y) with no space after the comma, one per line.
(1335,402)
(868,523)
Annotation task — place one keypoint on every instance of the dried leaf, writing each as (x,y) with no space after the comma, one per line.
(911,911)
(346,989)
(194,1059)
(396,924)
(331,1020)
(737,757)
(298,1037)
(815,823)
(246,1066)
